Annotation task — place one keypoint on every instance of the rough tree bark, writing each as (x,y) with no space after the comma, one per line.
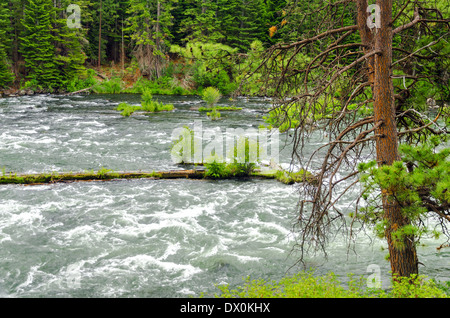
(403,257)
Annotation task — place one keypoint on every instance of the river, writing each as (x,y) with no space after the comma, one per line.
(147,238)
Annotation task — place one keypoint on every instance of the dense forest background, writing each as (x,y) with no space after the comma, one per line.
(181,45)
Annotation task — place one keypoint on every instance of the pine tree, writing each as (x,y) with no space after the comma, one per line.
(37,44)
(6,76)
(70,56)
(201,22)
(149,24)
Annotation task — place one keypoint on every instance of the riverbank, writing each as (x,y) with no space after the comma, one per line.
(179,78)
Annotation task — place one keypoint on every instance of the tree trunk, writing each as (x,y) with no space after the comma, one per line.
(122,55)
(157,41)
(403,257)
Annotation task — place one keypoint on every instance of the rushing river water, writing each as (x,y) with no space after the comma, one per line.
(146,238)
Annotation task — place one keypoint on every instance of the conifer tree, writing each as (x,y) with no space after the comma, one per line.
(201,22)
(149,23)
(6,76)
(69,52)
(37,44)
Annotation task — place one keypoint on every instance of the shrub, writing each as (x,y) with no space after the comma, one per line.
(216,170)
(287,177)
(112,86)
(415,286)
(127,109)
(211,96)
(150,105)
(79,83)
(306,285)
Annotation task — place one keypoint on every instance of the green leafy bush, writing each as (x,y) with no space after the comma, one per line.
(112,86)
(217,170)
(307,285)
(163,86)
(82,82)
(213,65)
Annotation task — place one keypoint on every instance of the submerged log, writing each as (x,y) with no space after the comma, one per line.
(88,89)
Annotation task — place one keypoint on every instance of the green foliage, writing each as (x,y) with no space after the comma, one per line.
(419,183)
(308,285)
(223,108)
(127,109)
(243,162)
(150,105)
(240,165)
(241,169)
(211,64)
(111,86)
(6,76)
(415,286)
(147,105)
(149,27)
(288,177)
(214,114)
(231,22)
(211,96)
(164,85)
(37,43)
(217,170)
(85,81)
(52,53)
(301,285)
(292,115)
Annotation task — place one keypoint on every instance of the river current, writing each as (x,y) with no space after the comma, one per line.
(148,238)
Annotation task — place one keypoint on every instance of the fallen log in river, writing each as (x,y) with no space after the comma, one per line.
(108,175)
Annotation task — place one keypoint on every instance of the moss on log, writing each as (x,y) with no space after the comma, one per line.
(108,175)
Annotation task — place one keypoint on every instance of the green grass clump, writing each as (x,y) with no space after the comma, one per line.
(214,114)
(127,109)
(224,108)
(147,105)
(287,177)
(223,170)
(150,105)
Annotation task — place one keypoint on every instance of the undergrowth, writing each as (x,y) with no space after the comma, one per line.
(307,285)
